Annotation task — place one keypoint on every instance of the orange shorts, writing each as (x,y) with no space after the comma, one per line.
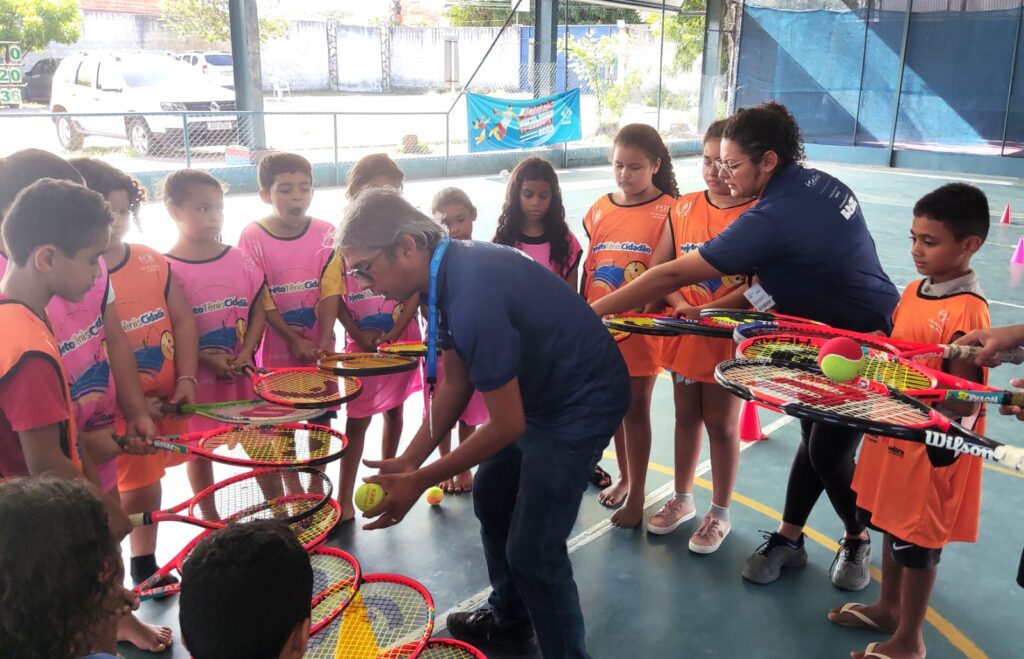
(135,472)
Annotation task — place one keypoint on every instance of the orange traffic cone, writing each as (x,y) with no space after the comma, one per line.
(1005,219)
(750,423)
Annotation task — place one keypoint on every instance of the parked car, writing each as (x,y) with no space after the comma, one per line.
(39,79)
(120,83)
(218,66)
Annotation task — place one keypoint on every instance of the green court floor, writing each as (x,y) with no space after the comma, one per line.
(647,596)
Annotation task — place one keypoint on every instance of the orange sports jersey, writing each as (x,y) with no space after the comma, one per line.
(622,243)
(27,334)
(695,221)
(895,480)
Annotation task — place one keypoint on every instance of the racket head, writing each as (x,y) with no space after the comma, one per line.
(366,363)
(289,444)
(805,392)
(636,323)
(313,531)
(618,335)
(709,327)
(288,495)
(256,412)
(737,317)
(390,616)
(405,348)
(450,648)
(336,577)
(305,388)
(875,342)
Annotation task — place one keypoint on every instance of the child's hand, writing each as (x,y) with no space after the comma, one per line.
(365,341)
(220,363)
(326,346)
(184,393)
(243,361)
(992,340)
(155,407)
(1014,410)
(141,426)
(683,309)
(302,349)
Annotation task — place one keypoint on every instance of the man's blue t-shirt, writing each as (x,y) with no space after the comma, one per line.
(508,316)
(807,241)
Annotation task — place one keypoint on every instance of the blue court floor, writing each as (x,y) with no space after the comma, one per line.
(647,596)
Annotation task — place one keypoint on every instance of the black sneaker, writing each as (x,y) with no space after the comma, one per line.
(766,563)
(480,627)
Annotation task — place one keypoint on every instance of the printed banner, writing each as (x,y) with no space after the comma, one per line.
(499,123)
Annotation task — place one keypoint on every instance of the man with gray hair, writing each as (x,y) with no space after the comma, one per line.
(554,384)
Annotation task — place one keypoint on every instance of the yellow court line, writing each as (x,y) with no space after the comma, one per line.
(1002,470)
(956,637)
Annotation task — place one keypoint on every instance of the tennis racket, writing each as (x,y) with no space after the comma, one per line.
(804,392)
(244,412)
(657,325)
(618,335)
(366,363)
(390,616)
(262,494)
(311,532)
(920,382)
(303,388)
(406,348)
(738,317)
(449,648)
(904,348)
(289,444)
(336,577)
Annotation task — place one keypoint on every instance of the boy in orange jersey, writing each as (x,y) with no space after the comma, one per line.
(920,496)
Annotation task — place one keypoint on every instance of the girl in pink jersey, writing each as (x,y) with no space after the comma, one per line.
(452,208)
(222,285)
(369,320)
(533,220)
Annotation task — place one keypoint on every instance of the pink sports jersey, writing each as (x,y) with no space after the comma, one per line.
(222,293)
(376,314)
(475,413)
(78,327)
(539,250)
(293,268)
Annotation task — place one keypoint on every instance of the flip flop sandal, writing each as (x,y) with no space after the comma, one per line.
(869,652)
(864,622)
(600,477)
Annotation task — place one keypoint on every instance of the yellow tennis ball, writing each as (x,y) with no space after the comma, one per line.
(840,359)
(435,496)
(369,496)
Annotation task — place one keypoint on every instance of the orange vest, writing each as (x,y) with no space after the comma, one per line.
(695,221)
(34,338)
(141,283)
(908,496)
(622,244)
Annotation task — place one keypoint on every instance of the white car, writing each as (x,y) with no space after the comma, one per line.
(217,66)
(118,83)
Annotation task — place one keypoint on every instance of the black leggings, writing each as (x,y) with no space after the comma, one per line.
(824,462)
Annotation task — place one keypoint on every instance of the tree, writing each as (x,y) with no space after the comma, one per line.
(476,15)
(687,32)
(208,20)
(594,60)
(36,23)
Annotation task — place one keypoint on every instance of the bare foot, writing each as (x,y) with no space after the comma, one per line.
(447,486)
(348,512)
(892,649)
(149,638)
(464,482)
(864,616)
(613,495)
(630,515)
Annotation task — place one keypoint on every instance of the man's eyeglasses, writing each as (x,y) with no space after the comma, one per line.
(361,271)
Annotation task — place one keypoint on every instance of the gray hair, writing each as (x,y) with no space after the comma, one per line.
(377,218)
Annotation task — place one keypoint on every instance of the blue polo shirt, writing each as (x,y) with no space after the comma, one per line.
(508,316)
(807,241)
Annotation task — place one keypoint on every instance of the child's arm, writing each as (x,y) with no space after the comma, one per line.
(967,371)
(573,276)
(409,310)
(329,308)
(126,376)
(662,253)
(253,334)
(301,348)
(363,340)
(186,345)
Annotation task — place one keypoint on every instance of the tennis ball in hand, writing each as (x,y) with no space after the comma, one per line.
(435,496)
(369,496)
(840,358)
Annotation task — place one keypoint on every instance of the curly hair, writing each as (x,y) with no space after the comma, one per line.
(766,127)
(510,222)
(104,178)
(368,168)
(59,568)
(175,187)
(647,139)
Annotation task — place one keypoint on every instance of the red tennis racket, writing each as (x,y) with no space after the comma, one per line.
(366,363)
(908,377)
(281,494)
(303,388)
(449,648)
(390,616)
(290,444)
(336,577)
(804,392)
(311,532)
(659,325)
(406,348)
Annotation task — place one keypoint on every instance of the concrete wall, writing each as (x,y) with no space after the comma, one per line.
(359,62)
(300,58)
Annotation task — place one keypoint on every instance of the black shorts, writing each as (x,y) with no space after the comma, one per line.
(906,554)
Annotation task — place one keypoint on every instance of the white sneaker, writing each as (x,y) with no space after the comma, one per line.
(671,515)
(710,535)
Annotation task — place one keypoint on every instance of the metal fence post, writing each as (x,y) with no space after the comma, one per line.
(185,139)
(337,173)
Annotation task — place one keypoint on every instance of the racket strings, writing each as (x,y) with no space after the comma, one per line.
(384,615)
(314,529)
(365,360)
(279,445)
(265,495)
(303,387)
(334,584)
(441,649)
(257,412)
(405,348)
(820,331)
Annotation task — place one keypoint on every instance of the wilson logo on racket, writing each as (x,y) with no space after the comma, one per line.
(957,444)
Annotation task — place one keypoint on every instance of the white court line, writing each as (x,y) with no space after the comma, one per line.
(952,176)
(603,527)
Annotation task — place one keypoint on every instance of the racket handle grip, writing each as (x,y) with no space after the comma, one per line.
(1010,456)
(1014,356)
(169,446)
(161,592)
(140,519)
(170,408)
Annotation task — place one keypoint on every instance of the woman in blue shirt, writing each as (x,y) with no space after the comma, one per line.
(808,244)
